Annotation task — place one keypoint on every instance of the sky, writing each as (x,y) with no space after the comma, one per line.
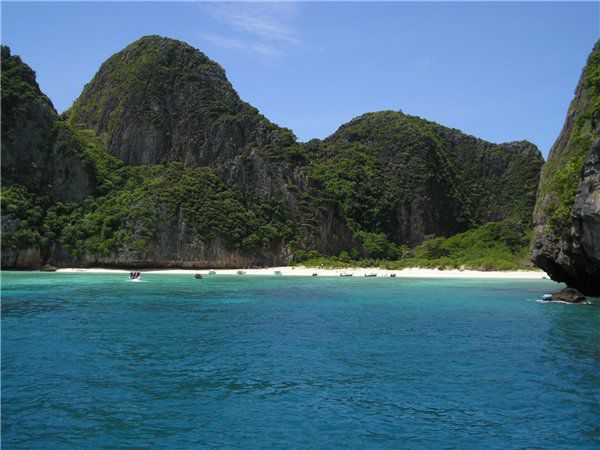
(501,71)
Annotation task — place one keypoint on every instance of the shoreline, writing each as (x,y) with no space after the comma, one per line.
(356,272)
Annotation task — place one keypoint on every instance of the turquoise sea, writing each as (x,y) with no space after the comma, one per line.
(95,361)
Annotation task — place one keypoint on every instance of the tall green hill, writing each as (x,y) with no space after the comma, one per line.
(409,178)
(167,166)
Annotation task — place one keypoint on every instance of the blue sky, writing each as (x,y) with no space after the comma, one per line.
(499,71)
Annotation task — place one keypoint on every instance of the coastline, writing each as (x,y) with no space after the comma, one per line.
(356,272)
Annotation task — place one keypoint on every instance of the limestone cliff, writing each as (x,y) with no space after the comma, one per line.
(38,150)
(160,163)
(160,100)
(567,211)
(41,163)
(410,178)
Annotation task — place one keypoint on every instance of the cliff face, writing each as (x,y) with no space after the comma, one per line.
(162,100)
(410,178)
(27,122)
(38,150)
(567,211)
(159,163)
(41,163)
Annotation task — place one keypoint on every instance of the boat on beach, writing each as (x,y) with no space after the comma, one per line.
(212,272)
(346,274)
(278,273)
(370,274)
(241,272)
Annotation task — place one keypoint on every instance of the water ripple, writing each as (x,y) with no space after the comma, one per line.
(90,361)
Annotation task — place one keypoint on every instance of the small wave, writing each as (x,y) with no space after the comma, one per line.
(560,301)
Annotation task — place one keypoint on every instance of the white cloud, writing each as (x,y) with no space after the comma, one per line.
(246,46)
(264,28)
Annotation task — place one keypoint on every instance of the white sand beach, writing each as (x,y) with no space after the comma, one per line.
(357,272)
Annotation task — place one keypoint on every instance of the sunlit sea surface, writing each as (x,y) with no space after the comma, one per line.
(95,361)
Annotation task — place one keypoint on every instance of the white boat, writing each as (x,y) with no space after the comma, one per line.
(212,272)
(135,276)
(241,272)
(346,274)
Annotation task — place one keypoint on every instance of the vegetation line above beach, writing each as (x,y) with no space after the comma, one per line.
(494,246)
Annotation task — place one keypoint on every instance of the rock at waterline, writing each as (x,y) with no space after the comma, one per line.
(570,295)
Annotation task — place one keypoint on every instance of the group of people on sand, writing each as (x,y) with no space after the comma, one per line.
(135,275)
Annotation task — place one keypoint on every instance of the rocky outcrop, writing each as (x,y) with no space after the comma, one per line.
(567,212)
(586,215)
(410,178)
(22,258)
(161,100)
(38,150)
(41,164)
(27,123)
(569,295)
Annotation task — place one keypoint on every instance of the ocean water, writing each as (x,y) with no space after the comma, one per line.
(94,361)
